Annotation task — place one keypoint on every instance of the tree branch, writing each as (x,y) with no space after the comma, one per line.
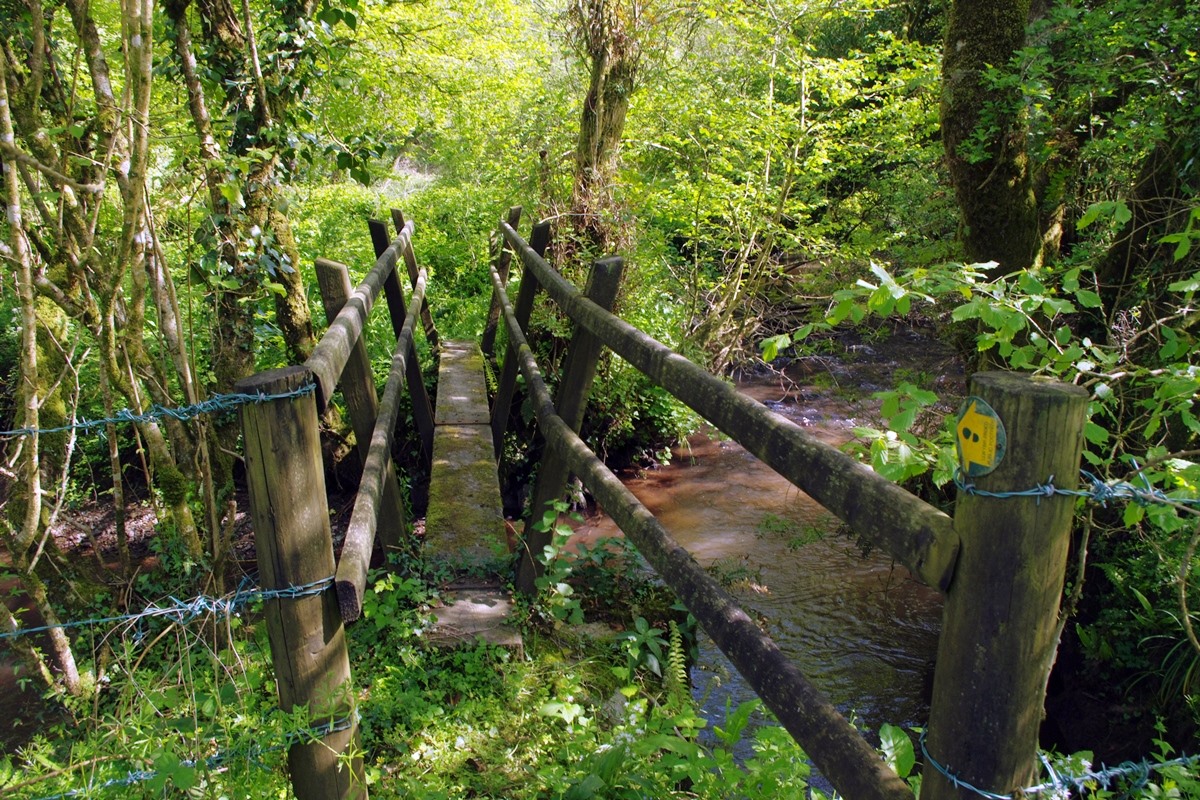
(10,150)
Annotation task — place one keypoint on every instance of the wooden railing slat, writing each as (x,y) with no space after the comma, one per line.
(422,409)
(834,745)
(578,373)
(358,391)
(351,577)
(502,260)
(329,357)
(410,260)
(915,533)
(539,240)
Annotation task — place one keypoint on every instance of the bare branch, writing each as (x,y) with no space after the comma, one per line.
(16,154)
(1185,570)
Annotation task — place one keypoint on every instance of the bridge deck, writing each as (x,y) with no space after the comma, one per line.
(464,525)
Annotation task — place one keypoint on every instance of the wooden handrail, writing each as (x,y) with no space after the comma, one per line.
(351,577)
(329,357)
(834,745)
(910,530)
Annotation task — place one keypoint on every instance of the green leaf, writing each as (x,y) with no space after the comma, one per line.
(232,194)
(1106,208)
(585,789)
(1141,598)
(886,281)
(1187,284)
(1091,215)
(772,345)
(1087,298)
(967,311)
(1094,433)
(897,749)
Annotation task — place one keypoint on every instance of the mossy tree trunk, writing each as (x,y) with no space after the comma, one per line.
(606,34)
(983,131)
(243,200)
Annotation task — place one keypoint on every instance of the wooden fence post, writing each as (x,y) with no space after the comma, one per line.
(579,371)
(487,342)
(1000,622)
(295,549)
(539,240)
(422,408)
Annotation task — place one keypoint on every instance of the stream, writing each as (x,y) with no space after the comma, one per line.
(857,625)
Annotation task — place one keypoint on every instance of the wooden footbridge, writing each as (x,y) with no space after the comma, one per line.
(1000,562)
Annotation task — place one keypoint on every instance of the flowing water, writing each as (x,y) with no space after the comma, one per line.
(861,628)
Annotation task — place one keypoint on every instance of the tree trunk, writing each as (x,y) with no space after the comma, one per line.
(291,308)
(991,175)
(28,528)
(607,35)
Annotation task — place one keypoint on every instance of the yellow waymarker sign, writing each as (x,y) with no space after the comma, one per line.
(980,436)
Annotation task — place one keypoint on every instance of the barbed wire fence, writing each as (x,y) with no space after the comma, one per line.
(214,404)
(184,612)
(174,610)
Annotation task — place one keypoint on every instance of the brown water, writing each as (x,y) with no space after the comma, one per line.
(861,628)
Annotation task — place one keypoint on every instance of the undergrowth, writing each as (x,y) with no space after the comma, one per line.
(602,714)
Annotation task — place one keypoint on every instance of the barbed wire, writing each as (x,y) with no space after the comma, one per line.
(1099,490)
(1060,786)
(185,611)
(215,404)
(217,761)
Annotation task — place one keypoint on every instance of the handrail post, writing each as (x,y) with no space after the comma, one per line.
(358,387)
(410,260)
(1000,623)
(295,549)
(579,371)
(503,260)
(422,408)
(539,241)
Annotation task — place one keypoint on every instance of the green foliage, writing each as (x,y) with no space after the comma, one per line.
(897,452)
(645,647)
(396,606)
(203,719)
(1143,383)
(900,755)
(556,597)
(773,157)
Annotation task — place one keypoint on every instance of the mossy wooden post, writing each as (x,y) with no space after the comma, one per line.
(539,240)
(1000,622)
(422,408)
(487,343)
(410,261)
(358,387)
(578,373)
(295,548)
